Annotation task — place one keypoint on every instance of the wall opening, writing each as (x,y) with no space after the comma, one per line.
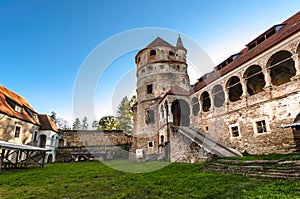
(205,101)
(181,113)
(43,139)
(282,67)
(255,80)
(218,95)
(152,53)
(234,87)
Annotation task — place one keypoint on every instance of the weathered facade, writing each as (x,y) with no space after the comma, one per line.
(92,141)
(249,102)
(20,124)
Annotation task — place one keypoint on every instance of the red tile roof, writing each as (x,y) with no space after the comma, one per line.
(47,123)
(291,26)
(27,113)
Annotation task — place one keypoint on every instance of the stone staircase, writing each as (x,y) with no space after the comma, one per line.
(208,143)
(275,169)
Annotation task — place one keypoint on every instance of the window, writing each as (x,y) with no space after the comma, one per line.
(152,53)
(261,126)
(17,131)
(151,144)
(18,109)
(150,116)
(171,53)
(195,106)
(234,131)
(149,89)
(35,135)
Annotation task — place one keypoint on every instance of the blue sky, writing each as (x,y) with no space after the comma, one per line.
(44,43)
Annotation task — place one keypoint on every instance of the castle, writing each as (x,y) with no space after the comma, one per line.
(249,102)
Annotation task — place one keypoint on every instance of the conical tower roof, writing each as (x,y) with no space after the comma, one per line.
(179,44)
(159,42)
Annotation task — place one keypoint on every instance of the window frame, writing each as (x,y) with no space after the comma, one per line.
(149,88)
(152,143)
(17,135)
(231,130)
(255,126)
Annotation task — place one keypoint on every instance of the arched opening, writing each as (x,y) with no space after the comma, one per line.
(234,87)
(205,101)
(50,158)
(255,80)
(195,106)
(181,113)
(152,53)
(43,139)
(162,139)
(219,95)
(296,132)
(162,111)
(282,67)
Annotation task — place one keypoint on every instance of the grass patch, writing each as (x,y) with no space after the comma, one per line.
(96,180)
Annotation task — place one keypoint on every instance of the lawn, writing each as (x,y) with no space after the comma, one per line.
(177,180)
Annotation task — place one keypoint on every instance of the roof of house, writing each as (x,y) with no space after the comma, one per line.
(9,101)
(47,123)
(260,44)
(175,90)
(159,42)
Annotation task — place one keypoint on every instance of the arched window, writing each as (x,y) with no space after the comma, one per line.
(234,87)
(255,79)
(282,67)
(152,53)
(205,101)
(162,111)
(171,53)
(195,106)
(219,95)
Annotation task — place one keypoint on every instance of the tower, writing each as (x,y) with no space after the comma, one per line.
(160,67)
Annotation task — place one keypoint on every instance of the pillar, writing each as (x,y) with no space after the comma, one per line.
(170,115)
(226,95)
(244,88)
(296,59)
(267,76)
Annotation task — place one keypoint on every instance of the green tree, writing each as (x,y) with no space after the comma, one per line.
(53,116)
(85,124)
(95,125)
(125,114)
(76,124)
(108,123)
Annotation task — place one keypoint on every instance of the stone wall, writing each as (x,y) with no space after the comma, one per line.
(92,141)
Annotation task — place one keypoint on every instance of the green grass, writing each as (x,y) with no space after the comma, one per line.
(96,180)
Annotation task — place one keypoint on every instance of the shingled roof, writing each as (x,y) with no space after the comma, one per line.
(288,28)
(47,123)
(159,42)
(8,102)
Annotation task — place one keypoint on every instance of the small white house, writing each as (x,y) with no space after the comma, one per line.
(47,137)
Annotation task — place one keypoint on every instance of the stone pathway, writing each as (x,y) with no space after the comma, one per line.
(275,169)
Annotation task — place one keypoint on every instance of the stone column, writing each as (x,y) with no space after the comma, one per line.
(226,95)
(170,115)
(244,88)
(267,76)
(200,105)
(296,59)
